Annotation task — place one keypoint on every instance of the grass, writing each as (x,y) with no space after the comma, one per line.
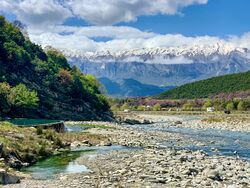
(30,144)
(26,144)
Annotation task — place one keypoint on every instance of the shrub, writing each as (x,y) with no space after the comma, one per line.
(157,107)
(39,131)
(141,108)
(230,106)
(187,106)
(242,106)
(207,104)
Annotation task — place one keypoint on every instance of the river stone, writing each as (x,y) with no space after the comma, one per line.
(6,178)
(213,174)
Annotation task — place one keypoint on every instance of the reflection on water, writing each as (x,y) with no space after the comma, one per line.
(68,162)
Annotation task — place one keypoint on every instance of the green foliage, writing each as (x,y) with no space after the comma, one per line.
(209,87)
(39,131)
(124,106)
(157,107)
(4,91)
(187,106)
(141,108)
(230,106)
(242,106)
(59,87)
(207,104)
(20,96)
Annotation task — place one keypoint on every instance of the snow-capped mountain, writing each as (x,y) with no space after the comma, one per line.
(218,49)
(163,66)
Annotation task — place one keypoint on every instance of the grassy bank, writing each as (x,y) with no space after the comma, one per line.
(25,146)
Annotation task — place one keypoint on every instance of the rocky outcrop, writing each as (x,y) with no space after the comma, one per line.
(6,178)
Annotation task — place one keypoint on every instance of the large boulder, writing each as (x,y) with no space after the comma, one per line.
(6,178)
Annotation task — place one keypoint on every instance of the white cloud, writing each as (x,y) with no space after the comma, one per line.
(170,61)
(45,24)
(105,31)
(125,38)
(37,13)
(108,12)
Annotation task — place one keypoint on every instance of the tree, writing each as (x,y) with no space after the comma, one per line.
(4,92)
(141,108)
(124,106)
(230,106)
(21,97)
(242,105)
(157,107)
(207,104)
(187,106)
(65,77)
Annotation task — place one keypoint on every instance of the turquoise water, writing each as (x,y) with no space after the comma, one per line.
(67,162)
(63,163)
(30,122)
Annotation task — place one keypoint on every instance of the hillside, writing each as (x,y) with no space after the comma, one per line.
(130,88)
(205,88)
(63,92)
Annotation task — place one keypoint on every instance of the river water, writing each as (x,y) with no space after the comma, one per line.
(212,141)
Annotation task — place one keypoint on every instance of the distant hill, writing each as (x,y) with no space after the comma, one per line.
(130,88)
(205,88)
(64,92)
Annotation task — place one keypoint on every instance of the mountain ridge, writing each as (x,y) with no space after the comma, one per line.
(230,83)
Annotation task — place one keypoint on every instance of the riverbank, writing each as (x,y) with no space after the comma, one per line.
(199,120)
(150,164)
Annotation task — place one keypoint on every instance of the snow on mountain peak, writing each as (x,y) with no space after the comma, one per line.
(151,53)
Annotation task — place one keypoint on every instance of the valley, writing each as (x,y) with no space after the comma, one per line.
(124,94)
(164,154)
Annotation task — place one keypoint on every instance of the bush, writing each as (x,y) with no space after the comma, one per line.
(157,107)
(242,106)
(230,106)
(141,108)
(39,131)
(207,104)
(187,106)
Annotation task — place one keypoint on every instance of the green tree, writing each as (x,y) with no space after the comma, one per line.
(230,106)
(124,106)
(207,104)
(242,106)
(157,107)
(4,92)
(187,106)
(141,108)
(21,97)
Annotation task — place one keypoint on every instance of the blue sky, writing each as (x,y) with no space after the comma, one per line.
(216,18)
(93,25)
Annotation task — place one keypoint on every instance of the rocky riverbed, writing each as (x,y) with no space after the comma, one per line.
(151,164)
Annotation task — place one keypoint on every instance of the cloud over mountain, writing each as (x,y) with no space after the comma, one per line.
(46,24)
(108,12)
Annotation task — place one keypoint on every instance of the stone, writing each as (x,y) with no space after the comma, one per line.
(214,175)
(6,178)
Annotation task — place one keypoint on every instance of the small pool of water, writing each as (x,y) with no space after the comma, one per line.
(68,162)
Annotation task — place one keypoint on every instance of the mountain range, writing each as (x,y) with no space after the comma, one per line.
(163,66)
(131,88)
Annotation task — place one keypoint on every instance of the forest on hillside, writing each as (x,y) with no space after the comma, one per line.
(35,83)
(210,87)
